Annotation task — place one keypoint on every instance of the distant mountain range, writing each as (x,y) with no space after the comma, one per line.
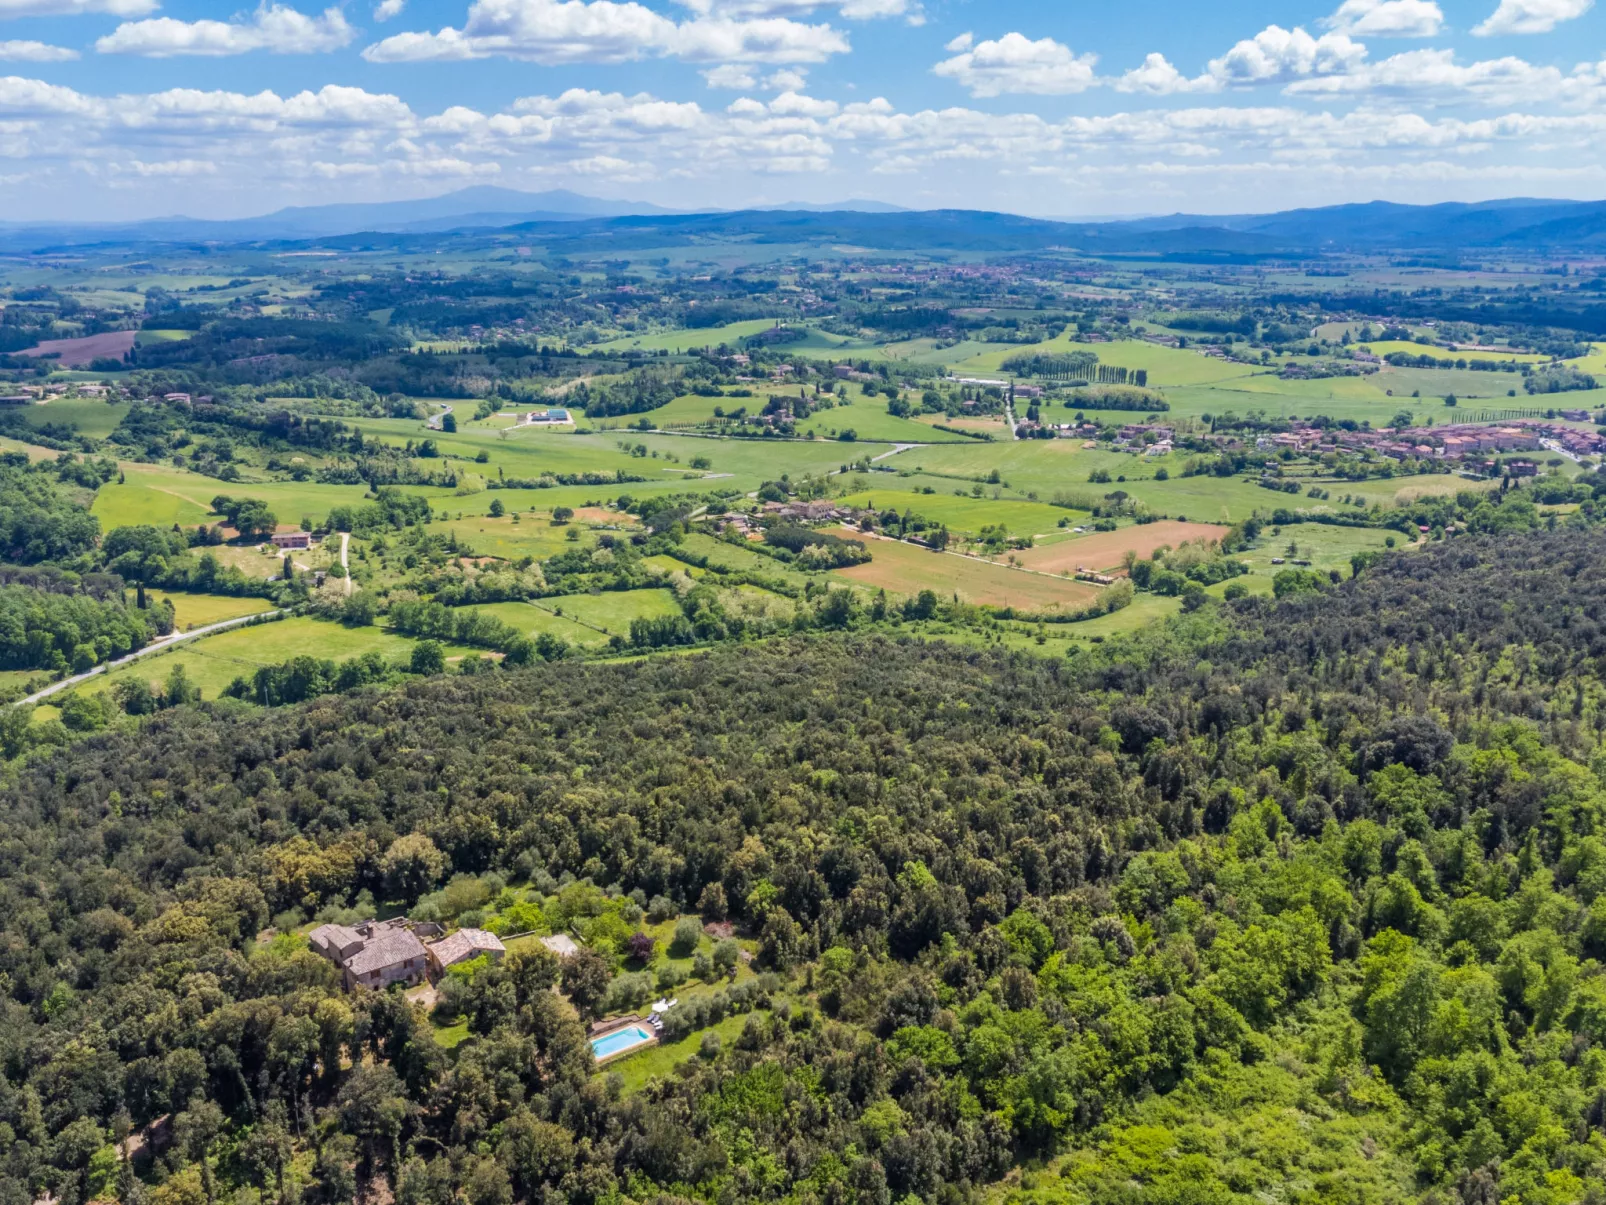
(570,223)
(480,207)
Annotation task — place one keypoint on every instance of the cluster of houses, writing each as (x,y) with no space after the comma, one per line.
(376,954)
(1455,441)
(1152,439)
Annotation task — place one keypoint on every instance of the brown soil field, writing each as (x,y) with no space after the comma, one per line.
(602,514)
(75,353)
(1102,551)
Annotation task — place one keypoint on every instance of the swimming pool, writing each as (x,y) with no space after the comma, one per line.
(619,1041)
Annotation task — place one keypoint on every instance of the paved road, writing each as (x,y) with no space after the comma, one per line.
(1009,414)
(345,544)
(1552,446)
(157,647)
(896,448)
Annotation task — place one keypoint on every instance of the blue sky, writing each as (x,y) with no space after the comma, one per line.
(113,109)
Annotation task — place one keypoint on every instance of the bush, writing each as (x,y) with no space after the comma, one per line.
(687,934)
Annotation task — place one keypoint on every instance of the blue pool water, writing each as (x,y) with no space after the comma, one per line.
(619,1041)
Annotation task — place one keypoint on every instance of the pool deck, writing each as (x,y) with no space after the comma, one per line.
(614,1027)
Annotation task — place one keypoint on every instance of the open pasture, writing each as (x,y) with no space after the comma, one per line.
(91,416)
(198,610)
(1388,347)
(586,619)
(212,662)
(163,495)
(965,515)
(906,569)
(867,417)
(681,338)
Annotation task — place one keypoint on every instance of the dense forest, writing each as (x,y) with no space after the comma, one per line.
(1303,898)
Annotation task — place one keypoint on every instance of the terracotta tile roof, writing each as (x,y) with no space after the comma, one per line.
(390,947)
(466,943)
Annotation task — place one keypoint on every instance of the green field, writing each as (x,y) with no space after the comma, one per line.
(1165,365)
(147,337)
(164,496)
(212,662)
(968,515)
(868,419)
(687,337)
(1323,546)
(91,416)
(197,610)
(1387,347)
(586,619)
(487,536)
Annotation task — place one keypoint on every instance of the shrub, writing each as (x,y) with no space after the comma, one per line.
(687,934)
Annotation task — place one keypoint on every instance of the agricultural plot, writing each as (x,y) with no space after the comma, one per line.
(904,569)
(198,610)
(1325,547)
(162,495)
(1389,347)
(212,662)
(501,537)
(730,333)
(90,416)
(867,417)
(1165,365)
(967,515)
(78,353)
(586,619)
(1102,551)
(147,338)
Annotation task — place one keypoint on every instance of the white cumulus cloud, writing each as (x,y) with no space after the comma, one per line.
(1387,18)
(1275,55)
(602,31)
(1530,16)
(386,9)
(735,76)
(1159,77)
(20,51)
(853,10)
(74,8)
(273,27)
(1016,63)
(1435,76)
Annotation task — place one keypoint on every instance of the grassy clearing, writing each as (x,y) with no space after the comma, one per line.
(661,1059)
(1165,365)
(212,662)
(163,496)
(501,537)
(586,619)
(1323,546)
(967,515)
(91,416)
(681,338)
(536,620)
(868,419)
(1387,347)
(197,610)
(905,569)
